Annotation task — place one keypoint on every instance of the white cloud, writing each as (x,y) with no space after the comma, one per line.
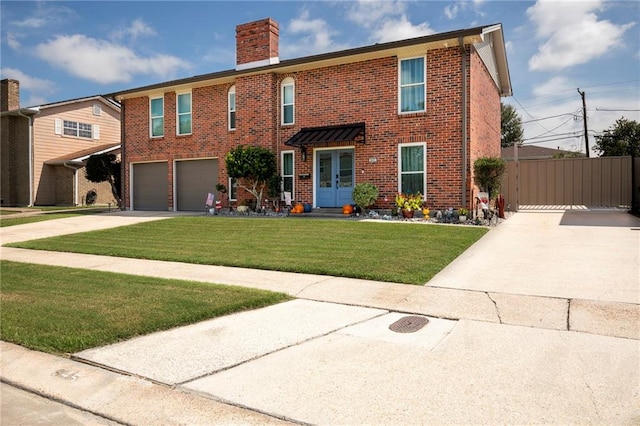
(369,13)
(27,82)
(13,42)
(399,29)
(553,86)
(313,36)
(571,34)
(102,61)
(46,14)
(138,28)
(387,20)
(31,22)
(452,11)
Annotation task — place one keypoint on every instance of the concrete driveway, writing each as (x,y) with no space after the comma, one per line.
(513,336)
(583,254)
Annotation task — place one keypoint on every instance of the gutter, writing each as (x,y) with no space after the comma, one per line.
(74,166)
(463,67)
(30,118)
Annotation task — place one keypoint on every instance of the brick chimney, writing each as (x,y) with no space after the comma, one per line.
(257,44)
(9,95)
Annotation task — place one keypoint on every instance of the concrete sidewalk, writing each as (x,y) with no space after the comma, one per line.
(570,353)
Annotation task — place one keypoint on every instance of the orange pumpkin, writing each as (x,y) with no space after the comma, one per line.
(298,208)
(347,209)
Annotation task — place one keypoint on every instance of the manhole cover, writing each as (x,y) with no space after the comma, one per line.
(408,324)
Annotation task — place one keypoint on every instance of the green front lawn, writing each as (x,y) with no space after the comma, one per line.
(394,252)
(64,310)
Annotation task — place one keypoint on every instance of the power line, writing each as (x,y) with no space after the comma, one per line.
(551,116)
(586,87)
(562,135)
(617,110)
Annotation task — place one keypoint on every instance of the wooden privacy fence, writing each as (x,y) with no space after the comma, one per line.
(569,182)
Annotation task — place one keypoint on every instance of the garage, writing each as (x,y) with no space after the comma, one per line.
(150,188)
(194,180)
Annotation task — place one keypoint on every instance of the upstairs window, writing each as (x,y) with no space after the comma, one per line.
(412,85)
(156,108)
(184,113)
(288,100)
(97,109)
(232,108)
(79,130)
(412,176)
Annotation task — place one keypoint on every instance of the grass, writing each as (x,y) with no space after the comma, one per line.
(394,252)
(64,310)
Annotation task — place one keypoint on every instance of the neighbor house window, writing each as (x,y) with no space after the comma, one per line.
(288,100)
(97,109)
(156,108)
(232,108)
(233,189)
(412,85)
(184,113)
(412,165)
(80,130)
(287,172)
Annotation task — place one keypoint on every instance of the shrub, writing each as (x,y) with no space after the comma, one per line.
(488,173)
(365,194)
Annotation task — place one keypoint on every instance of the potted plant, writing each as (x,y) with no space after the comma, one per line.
(462,214)
(408,203)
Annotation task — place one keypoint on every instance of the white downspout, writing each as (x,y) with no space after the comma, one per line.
(30,118)
(75,183)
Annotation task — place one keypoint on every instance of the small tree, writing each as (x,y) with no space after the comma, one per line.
(488,173)
(253,167)
(623,138)
(365,194)
(105,168)
(510,125)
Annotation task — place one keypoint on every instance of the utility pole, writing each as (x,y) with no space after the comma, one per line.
(584,119)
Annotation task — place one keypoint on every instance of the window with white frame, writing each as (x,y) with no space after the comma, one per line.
(412,168)
(80,130)
(232,108)
(233,189)
(156,110)
(288,100)
(287,172)
(184,113)
(97,109)
(412,79)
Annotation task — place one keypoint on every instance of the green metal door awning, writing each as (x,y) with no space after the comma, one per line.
(316,135)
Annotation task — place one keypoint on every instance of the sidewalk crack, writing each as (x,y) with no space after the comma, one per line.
(496,305)
(568,314)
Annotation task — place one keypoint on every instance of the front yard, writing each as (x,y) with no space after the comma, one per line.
(393,252)
(65,310)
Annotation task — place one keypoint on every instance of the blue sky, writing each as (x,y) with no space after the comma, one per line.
(63,50)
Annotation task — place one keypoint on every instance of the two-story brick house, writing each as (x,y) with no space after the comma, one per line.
(43,148)
(407,116)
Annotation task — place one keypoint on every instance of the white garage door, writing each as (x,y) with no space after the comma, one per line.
(194,180)
(150,187)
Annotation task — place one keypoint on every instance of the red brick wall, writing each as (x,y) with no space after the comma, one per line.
(359,92)
(484,122)
(256,41)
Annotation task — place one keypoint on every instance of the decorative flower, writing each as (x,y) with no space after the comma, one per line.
(409,201)
(462,211)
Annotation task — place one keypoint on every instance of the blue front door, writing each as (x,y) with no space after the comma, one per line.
(334,179)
